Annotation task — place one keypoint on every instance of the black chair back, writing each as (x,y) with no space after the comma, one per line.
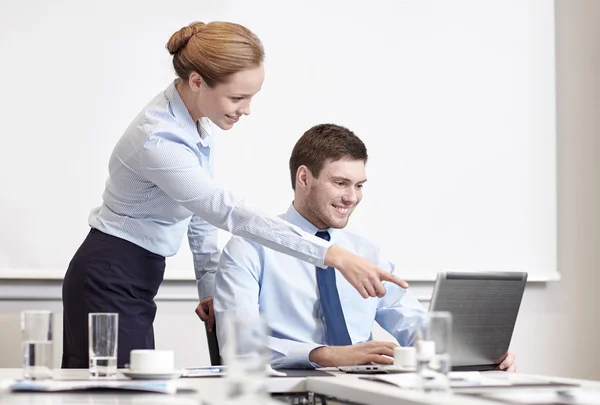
(213,346)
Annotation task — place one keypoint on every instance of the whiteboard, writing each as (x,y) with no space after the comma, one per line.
(454,100)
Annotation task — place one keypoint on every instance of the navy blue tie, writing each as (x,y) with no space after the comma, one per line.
(335,324)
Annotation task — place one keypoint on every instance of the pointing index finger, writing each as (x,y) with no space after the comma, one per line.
(385,276)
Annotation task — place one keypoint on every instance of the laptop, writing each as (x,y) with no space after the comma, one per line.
(484,307)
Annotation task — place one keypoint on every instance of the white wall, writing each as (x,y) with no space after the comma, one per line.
(577,329)
(456,108)
(557,331)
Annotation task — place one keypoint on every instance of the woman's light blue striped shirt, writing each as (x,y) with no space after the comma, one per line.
(161,184)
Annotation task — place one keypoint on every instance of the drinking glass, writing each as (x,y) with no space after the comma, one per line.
(103,332)
(36,344)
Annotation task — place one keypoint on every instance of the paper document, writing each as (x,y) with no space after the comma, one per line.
(216,371)
(571,396)
(163,387)
(209,371)
(465,379)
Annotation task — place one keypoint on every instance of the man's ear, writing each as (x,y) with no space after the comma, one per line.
(303,176)
(195,81)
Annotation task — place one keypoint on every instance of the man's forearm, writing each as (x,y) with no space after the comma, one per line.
(322,356)
(287,353)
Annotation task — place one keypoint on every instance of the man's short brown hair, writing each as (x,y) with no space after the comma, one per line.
(325,142)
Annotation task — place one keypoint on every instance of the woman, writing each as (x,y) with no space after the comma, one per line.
(160,184)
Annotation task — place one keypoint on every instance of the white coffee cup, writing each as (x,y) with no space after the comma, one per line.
(405,357)
(152,361)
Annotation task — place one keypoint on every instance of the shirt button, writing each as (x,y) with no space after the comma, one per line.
(323,319)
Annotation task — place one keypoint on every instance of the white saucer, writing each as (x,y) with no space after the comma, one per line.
(152,375)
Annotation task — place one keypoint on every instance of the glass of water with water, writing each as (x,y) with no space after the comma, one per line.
(440,332)
(36,341)
(102,332)
(246,355)
(433,351)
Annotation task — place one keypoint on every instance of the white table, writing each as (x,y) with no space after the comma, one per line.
(350,387)
(209,389)
(212,390)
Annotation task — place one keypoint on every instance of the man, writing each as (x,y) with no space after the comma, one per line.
(315,318)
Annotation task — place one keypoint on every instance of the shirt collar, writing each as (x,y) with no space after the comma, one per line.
(199,131)
(204,128)
(295,218)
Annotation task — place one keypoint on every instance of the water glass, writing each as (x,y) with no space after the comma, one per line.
(103,332)
(433,351)
(439,331)
(36,344)
(245,353)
